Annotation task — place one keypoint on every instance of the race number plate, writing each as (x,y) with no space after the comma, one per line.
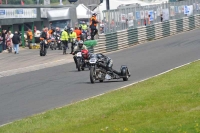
(92,60)
(79,54)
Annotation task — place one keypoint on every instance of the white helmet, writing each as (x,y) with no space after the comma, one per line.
(65,28)
(71,29)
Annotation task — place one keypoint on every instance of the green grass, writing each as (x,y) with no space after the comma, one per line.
(169,103)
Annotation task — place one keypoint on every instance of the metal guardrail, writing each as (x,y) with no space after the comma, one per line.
(130,37)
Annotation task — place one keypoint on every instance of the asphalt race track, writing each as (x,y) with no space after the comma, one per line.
(35,92)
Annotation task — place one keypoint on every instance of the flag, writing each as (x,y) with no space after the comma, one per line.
(22,2)
(90,43)
(0,2)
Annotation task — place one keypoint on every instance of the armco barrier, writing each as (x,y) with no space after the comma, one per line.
(126,38)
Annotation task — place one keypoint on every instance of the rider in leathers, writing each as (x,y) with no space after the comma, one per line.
(43,36)
(78,48)
(107,63)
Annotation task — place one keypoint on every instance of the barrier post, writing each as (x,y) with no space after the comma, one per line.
(11,28)
(33,39)
(22,36)
(42,24)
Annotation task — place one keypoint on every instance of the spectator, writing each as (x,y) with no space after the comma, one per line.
(101,28)
(161,17)
(47,32)
(104,20)
(16,41)
(4,39)
(58,32)
(149,22)
(29,37)
(112,25)
(37,36)
(1,40)
(126,24)
(35,29)
(9,43)
(78,33)
(145,22)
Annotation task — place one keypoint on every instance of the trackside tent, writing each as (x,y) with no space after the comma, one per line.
(83,12)
(58,14)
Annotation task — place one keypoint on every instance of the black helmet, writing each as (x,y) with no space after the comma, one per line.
(94,14)
(53,29)
(80,44)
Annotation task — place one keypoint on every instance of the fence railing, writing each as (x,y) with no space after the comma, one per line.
(130,37)
(129,17)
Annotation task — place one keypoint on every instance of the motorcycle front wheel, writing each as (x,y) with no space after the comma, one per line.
(78,65)
(92,75)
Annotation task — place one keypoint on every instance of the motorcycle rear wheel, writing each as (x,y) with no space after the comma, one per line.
(125,73)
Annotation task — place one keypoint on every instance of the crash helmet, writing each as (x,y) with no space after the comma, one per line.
(80,44)
(71,30)
(65,28)
(85,53)
(94,14)
(83,22)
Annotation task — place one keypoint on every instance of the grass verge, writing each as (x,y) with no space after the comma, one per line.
(169,103)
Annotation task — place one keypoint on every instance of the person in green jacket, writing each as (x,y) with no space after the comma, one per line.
(72,38)
(64,38)
(84,26)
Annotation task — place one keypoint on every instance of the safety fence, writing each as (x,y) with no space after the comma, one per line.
(126,38)
(133,16)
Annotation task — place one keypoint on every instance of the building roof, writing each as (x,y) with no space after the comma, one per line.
(91,4)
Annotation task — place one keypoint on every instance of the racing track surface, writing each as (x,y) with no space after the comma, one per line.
(34,92)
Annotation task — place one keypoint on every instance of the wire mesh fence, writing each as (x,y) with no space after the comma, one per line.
(127,17)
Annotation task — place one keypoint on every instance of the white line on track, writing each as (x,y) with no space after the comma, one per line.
(117,88)
(34,67)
